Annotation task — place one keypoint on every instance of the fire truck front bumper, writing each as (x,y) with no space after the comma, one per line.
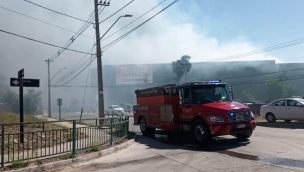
(232,128)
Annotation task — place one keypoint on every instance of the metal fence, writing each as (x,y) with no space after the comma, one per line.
(46,139)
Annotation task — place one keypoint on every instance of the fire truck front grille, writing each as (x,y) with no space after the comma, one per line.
(238,116)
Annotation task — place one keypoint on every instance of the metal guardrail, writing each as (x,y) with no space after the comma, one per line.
(42,139)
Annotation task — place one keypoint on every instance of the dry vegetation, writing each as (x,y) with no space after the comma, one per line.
(7,117)
(37,135)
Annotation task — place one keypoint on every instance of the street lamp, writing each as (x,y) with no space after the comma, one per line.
(126,15)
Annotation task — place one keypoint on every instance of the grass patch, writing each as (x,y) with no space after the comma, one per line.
(20,164)
(36,123)
(8,117)
(37,135)
(95,148)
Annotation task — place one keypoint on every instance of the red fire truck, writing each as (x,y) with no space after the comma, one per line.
(205,109)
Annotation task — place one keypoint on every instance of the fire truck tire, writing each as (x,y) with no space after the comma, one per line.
(244,136)
(173,137)
(145,130)
(200,132)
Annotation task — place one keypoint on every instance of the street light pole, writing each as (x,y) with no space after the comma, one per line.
(99,63)
(126,15)
(48,61)
(99,55)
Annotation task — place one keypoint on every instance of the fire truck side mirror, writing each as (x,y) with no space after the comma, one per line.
(230,91)
(184,96)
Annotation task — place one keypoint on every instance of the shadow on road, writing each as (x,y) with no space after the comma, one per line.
(222,145)
(216,144)
(291,125)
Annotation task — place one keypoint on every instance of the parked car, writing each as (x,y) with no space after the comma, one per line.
(115,109)
(127,107)
(284,109)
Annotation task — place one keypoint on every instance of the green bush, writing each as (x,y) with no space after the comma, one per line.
(20,163)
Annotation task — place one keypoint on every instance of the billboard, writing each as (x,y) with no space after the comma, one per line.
(134,74)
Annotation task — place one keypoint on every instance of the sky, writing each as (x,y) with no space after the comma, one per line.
(207,30)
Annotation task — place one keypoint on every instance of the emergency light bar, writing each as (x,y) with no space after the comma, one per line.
(214,81)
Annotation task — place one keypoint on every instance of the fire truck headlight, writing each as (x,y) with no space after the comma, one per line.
(231,116)
(215,118)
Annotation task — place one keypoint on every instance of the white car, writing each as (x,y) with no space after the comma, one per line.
(115,109)
(284,109)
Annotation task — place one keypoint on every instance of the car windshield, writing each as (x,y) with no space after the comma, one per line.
(301,101)
(211,93)
(115,106)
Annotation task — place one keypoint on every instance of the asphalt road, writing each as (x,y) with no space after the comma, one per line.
(271,148)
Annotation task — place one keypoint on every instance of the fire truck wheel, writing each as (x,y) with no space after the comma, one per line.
(244,136)
(200,132)
(145,130)
(173,137)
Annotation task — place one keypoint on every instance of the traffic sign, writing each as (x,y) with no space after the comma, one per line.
(22,82)
(59,101)
(21,73)
(31,82)
(15,82)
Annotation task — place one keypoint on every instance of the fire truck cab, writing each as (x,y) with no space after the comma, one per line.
(205,109)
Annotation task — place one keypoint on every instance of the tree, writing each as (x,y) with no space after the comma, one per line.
(278,89)
(11,99)
(3,87)
(182,67)
(32,102)
(247,96)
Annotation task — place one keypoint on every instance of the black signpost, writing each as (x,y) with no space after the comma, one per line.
(22,82)
(20,76)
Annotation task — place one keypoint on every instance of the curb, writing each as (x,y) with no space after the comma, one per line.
(84,158)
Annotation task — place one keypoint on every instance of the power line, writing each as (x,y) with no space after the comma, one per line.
(261,74)
(106,47)
(75,68)
(240,83)
(74,37)
(85,88)
(116,39)
(135,19)
(86,26)
(103,7)
(267,81)
(116,11)
(57,12)
(77,74)
(42,42)
(75,86)
(42,21)
(78,67)
(296,58)
(264,50)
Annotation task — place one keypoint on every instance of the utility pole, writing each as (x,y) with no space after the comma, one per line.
(99,61)
(48,61)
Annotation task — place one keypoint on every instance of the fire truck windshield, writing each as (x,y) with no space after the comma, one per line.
(210,93)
